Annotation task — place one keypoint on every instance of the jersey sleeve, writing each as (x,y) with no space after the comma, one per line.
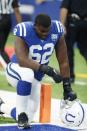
(60,28)
(20,30)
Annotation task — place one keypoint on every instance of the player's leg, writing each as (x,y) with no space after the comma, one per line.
(70,41)
(3,53)
(5,107)
(24,78)
(5,26)
(1,102)
(82,44)
(8,109)
(34,99)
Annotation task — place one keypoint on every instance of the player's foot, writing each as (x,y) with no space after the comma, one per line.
(1,102)
(23,121)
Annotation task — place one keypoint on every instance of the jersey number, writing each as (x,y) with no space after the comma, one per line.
(42,57)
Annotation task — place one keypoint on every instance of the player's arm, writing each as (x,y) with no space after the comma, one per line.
(22,53)
(16,11)
(64,11)
(63,15)
(61,54)
(17,15)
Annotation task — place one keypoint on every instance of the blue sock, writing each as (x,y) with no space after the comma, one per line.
(23,88)
(23,92)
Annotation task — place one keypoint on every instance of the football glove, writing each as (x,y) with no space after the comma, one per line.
(68,93)
(51,72)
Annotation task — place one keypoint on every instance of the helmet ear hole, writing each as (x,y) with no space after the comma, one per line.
(73,115)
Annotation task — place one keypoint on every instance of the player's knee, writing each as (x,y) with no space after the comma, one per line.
(27,75)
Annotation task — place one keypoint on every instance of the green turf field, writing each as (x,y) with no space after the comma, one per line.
(80,87)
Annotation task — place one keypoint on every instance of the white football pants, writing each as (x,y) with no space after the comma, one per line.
(14,73)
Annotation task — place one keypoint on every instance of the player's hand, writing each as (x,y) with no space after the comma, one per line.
(51,72)
(56,76)
(68,93)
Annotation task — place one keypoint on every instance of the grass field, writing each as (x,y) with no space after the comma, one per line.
(80,86)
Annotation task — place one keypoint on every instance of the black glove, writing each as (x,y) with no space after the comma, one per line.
(51,72)
(68,93)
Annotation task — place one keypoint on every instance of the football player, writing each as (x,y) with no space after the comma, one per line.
(34,44)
